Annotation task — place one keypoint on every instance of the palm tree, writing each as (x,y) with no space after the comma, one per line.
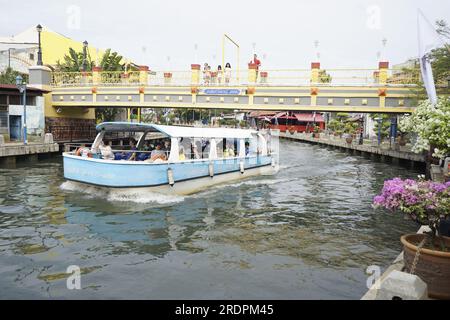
(73,62)
(9,76)
(111,61)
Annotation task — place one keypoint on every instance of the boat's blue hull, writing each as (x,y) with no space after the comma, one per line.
(124,174)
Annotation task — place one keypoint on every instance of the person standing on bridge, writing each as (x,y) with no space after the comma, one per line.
(227,73)
(257,62)
(206,74)
(219,74)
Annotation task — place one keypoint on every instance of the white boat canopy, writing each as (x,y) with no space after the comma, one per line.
(176,131)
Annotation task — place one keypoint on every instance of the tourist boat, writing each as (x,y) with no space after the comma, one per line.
(253,153)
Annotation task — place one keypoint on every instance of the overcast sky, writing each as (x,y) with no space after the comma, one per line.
(283,32)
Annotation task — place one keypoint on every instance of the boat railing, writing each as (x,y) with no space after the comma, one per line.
(71,147)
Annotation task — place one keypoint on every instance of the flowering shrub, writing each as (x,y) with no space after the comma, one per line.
(431,123)
(426,202)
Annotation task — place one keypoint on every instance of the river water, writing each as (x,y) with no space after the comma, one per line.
(308,232)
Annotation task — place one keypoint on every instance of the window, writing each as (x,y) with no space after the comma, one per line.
(3,119)
(31,101)
(15,100)
(32,56)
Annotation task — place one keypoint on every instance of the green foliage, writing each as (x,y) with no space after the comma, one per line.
(431,124)
(243,124)
(106,114)
(341,124)
(334,125)
(9,76)
(73,62)
(324,77)
(443,29)
(385,124)
(111,61)
(351,127)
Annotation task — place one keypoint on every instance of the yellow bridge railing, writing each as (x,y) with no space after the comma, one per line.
(273,77)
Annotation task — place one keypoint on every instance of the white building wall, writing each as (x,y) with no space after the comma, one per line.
(35,116)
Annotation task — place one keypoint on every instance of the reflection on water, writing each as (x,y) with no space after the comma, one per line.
(307,232)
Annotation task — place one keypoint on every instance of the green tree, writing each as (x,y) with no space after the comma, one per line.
(112,61)
(385,124)
(431,124)
(73,62)
(9,76)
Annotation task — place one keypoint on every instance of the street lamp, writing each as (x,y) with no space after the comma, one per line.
(379,121)
(23,89)
(39,30)
(85,45)
(361,133)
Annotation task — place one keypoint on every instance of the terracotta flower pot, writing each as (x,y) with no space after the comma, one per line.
(433,266)
(401,141)
(349,139)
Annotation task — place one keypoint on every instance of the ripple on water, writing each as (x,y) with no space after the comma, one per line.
(307,232)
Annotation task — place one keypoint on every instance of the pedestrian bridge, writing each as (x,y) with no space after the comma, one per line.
(380,90)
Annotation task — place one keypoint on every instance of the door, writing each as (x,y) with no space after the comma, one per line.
(15,127)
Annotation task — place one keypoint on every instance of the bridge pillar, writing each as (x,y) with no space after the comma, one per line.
(96,77)
(195,81)
(143,74)
(315,71)
(383,72)
(195,74)
(167,78)
(252,72)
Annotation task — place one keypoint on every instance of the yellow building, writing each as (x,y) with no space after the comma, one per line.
(20,53)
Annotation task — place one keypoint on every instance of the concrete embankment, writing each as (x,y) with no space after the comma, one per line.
(11,153)
(386,153)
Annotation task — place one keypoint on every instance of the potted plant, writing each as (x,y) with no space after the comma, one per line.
(316,132)
(427,203)
(401,140)
(350,130)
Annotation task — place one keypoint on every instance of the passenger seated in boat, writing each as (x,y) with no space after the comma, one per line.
(181,155)
(142,156)
(83,151)
(158,153)
(166,146)
(229,151)
(130,156)
(195,154)
(106,150)
(247,148)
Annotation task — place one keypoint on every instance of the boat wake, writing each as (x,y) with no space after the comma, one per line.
(136,196)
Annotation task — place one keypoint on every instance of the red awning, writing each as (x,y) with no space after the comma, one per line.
(309,117)
(283,115)
(256,114)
